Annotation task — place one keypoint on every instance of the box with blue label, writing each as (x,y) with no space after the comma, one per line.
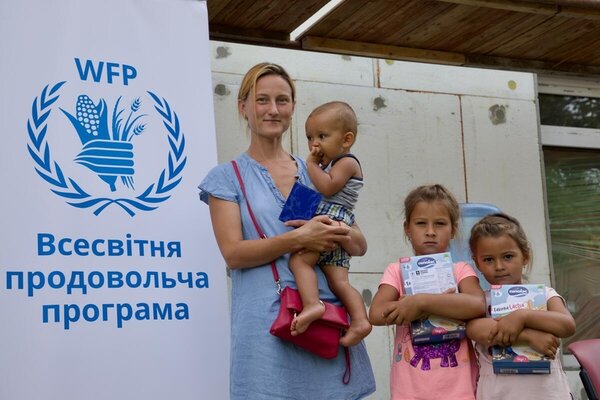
(432,273)
(518,358)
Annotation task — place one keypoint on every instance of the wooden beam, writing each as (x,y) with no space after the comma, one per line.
(251,36)
(572,3)
(335,46)
(362,49)
(510,5)
(525,65)
(562,8)
(575,12)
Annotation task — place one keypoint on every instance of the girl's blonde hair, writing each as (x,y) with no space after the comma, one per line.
(429,194)
(248,85)
(496,225)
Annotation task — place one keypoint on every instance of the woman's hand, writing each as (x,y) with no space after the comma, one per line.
(317,234)
(336,233)
(356,245)
(320,233)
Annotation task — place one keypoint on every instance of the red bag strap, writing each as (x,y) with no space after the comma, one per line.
(255,222)
(348,371)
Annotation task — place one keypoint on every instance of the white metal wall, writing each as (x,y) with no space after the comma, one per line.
(475,131)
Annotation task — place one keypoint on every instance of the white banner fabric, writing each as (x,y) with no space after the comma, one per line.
(111,283)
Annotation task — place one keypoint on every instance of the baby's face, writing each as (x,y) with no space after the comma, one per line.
(326,134)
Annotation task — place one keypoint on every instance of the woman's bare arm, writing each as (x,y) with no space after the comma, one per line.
(318,234)
(356,245)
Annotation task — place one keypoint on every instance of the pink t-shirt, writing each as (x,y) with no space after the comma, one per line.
(435,371)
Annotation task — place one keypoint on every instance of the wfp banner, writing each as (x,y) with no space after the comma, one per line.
(111,284)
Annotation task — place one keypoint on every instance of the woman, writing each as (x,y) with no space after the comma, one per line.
(263,366)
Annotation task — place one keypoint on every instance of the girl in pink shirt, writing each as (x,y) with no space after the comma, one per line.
(448,369)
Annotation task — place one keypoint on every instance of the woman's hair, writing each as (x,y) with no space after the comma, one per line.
(496,225)
(248,85)
(346,116)
(430,194)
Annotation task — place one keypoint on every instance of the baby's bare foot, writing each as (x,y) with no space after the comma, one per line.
(358,330)
(309,314)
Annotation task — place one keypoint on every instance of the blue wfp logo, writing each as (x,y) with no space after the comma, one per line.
(108,155)
(107,149)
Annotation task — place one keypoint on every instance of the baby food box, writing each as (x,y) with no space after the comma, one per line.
(432,273)
(518,358)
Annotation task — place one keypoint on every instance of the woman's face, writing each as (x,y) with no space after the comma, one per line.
(270,111)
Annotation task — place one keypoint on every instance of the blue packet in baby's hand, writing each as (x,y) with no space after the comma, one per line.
(300,204)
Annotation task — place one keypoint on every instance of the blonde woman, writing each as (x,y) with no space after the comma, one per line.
(263,366)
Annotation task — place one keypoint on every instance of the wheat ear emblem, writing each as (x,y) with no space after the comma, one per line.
(107,152)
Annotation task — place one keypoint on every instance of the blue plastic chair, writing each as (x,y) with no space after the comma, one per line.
(470,213)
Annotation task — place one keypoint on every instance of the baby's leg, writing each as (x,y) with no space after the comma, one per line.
(360,327)
(302,265)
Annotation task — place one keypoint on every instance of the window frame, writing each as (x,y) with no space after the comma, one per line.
(567,137)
